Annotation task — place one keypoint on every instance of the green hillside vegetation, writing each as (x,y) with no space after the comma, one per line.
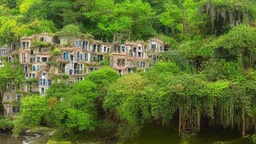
(208,74)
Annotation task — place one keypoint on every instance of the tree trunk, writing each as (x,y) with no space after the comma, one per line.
(180,123)
(243,123)
(183,125)
(198,122)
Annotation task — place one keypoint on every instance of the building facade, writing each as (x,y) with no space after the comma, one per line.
(47,58)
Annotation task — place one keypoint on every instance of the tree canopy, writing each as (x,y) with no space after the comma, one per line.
(134,19)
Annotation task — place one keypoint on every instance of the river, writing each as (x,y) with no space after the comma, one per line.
(151,135)
(6,138)
(158,135)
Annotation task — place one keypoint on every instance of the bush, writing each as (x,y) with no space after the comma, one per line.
(40,44)
(254,139)
(65,77)
(31,80)
(6,123)
(52,63)
(105,62)
(56,52)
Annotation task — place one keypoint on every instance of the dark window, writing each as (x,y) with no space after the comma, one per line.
(44,59)
(120,72)
(130,70)
(71,57)
(153,45)
(18,98)
(26,69)
(142,64)
(140,54)
(49,82)
(94,47)
(32,60)
(86,56)
(123,48)
(14,46)
(100,57)
(121,62)
(42,90)
(24,44)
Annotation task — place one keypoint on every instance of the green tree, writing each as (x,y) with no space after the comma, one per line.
(75,111)
(124,101)
(33,109)
(103,78)
(11,72)
(172,17)
(59,90)
(69,30)
(133,16)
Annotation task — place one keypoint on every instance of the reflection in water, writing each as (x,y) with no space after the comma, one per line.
(8,139)
(158,135)
(150,135)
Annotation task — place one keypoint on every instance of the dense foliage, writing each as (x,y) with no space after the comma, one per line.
(70,108)
(218,93)
(135,19)
(11,71)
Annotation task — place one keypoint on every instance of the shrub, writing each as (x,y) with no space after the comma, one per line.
(6,123)
(56,51)
(52,63)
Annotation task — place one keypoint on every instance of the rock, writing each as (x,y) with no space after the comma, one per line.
(27,131)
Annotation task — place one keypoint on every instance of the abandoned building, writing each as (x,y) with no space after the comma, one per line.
(11,100)
(3,53)
(47,58)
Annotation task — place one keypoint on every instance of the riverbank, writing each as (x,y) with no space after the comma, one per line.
(155,134)
(33,137)
(151,134)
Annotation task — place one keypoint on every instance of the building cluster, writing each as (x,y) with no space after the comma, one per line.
(47,58)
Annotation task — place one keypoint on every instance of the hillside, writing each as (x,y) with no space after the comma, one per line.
(206,76)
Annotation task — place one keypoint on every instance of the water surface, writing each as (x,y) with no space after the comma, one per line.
(151,135)
(29,139)
(161,135)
